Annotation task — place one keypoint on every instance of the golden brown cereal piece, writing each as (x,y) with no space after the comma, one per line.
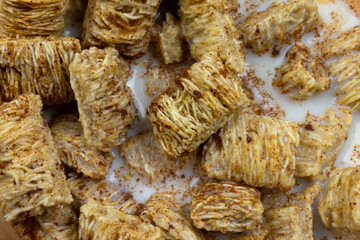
(339,203)
(294,220)
(168,40)
(122,24)
(31,176)
(209,27)
(280,22)
(226,207)
(302,75)
(344,43)
(32,17)
(101,190)
(257,150)
(205,97)
(106,105)
(145,155)
(346,72)
(321,139)
(106,222)
(70,144)
(164,212)
(83,188)
(38,65)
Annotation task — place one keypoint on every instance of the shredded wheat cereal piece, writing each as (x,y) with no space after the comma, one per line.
(257,150)
(106,105)
(38,65)
(168,40)
(106,222)
(209,27)
(226,207)
(280,22)
(321,139)
(122,24)
(205,97)
(70,144)
(164,212)
(31,175)
(339,202)
(32,18)
(84,188)
(294,220)
(344,43)
(144,154)
(346,72)
(302,75)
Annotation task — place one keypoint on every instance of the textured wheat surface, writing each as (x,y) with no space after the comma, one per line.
(302,75)
(73,151)
(344,43)
(32,18)
(163,210)
(346,75)
(321,139)
(339,202)
(226,207)
(205,96)
(208,26)
(31,175)
(102,222)
(122,24)
(281,21)
(168,39)
(106,105)
(256,150)
(39,65)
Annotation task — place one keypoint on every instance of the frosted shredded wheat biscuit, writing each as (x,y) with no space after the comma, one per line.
(321,139)
(122,24)
(100,190)
(294,219)
(302,75)
(344,43)
(38,65)
(31,175)
(106,105)
(208,26)
(257,150)
(339,203)
(106,222)
(164,212)
(32,17)
(144,154)
(167,38)
(205,96)
(70,144)
(346,72)
(280,22)
(226,207)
